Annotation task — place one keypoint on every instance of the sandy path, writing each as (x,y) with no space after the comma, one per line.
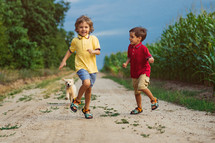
(170,123)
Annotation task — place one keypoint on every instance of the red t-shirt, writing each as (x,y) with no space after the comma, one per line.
(139,64)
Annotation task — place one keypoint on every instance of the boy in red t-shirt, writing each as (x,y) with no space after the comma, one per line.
(139,59)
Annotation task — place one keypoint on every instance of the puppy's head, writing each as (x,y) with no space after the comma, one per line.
(68,82)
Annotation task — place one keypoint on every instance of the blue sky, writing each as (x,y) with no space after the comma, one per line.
(114,18)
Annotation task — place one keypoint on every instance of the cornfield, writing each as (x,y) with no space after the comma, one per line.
(185,52)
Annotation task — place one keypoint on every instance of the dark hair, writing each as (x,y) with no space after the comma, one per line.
(86,19)
(139,32)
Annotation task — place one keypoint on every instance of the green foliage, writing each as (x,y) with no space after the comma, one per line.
(123,121)
(9,127)
(113,64)
(186,47)
(186,51)
(30,33)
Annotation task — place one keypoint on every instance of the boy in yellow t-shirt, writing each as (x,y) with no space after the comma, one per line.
(86,47)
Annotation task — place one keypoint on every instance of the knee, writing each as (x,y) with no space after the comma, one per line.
(86,83)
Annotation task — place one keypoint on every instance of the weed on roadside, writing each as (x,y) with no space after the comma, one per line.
(5,113)
(25,98)
(54,108)
(186,98)
(157,127)
(93,97)
(123,121)
(109,112)
(61,97)
(56,104)
(46,96)
(145,135)
(135,124)
(49,110)
(7,135)
(9,127)
(46,111)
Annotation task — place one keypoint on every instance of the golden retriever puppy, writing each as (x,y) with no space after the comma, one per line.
(70,89)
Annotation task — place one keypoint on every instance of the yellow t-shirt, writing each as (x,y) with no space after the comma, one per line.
(83,59)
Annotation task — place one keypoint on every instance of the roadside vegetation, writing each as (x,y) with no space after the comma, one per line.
(35,79)
(32,43)
(31,34)
(185,53)
(189,99)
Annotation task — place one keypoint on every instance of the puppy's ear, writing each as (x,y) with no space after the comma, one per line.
(64,79)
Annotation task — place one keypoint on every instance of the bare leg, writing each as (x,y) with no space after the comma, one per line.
(82,90)
(138,100)
(152,98)
(148,93)
(87,98)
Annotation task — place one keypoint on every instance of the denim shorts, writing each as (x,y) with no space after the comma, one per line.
(83,75)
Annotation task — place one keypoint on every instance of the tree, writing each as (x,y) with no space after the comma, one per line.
(42,20)
(30,32)
(21,51)
(5,53)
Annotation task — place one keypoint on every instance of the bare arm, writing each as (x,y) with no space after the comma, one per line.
(96,51)
(124,65)
(63,63)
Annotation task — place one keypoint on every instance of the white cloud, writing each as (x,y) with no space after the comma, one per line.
(111,32)
(73,1)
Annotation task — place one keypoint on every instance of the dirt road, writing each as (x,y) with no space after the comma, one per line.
(28,117)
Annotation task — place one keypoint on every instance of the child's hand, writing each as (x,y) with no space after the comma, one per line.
(62,65)
(90,51)
(124,65)
(151,60)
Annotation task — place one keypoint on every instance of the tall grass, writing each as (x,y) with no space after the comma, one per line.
(186,51)
(7,76)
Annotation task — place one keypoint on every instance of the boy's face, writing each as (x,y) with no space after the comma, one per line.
(133,39)
(83,29)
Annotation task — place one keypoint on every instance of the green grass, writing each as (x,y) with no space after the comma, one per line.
(9,127)
(123,121)
(46,111)
(54,108)
(145,135)
(157,127)
(110,112)
(15,91)
(45,83)
(125,82)
(185,98)
(25,98)
(8,76)
(7,135)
